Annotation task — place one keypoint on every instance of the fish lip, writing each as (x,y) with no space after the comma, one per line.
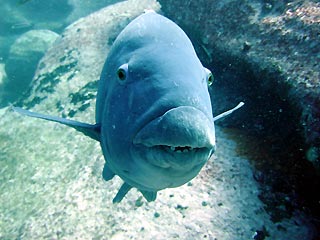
(182,137)
(200,136)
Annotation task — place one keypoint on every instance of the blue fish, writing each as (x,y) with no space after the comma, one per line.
(153,111)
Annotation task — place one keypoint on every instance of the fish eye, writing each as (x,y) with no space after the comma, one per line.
(122,72)
(210,79)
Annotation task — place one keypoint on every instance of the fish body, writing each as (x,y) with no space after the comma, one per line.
(162,103)
(153,111)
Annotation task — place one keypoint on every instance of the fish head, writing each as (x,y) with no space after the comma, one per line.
(153,104)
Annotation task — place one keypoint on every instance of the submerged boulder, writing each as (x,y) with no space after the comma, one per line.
(3,79)
(23,59)
(3,74)
(267,54)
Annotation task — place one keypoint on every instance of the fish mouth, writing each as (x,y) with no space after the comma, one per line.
(182,138)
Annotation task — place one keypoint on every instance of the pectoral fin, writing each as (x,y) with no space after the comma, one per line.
(149,195)
(224,114)
(90,130)
(121,193)
(107,174)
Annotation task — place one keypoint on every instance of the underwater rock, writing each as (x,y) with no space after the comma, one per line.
(3,79)
(23,59)
(33,41)
(278,73)
(3,74)
(51,184)
(75,62)
(266,52)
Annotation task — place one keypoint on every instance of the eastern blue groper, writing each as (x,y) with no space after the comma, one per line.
(153,111)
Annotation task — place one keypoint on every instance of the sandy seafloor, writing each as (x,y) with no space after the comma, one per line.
(50,175)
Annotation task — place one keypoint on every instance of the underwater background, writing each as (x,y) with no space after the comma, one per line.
(263,181)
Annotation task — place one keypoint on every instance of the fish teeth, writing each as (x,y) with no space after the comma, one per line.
(180,149)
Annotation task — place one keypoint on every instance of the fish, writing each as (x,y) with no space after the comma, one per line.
(22,25)
(153,113)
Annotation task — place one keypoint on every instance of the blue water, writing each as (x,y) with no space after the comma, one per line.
(20,17)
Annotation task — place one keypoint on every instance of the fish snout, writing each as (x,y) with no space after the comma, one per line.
(182,137)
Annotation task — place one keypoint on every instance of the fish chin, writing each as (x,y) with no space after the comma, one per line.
(160,167)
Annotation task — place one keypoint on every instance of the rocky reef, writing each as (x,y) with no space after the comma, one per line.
(266,53)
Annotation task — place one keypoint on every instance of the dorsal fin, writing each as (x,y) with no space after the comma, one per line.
(90,130)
